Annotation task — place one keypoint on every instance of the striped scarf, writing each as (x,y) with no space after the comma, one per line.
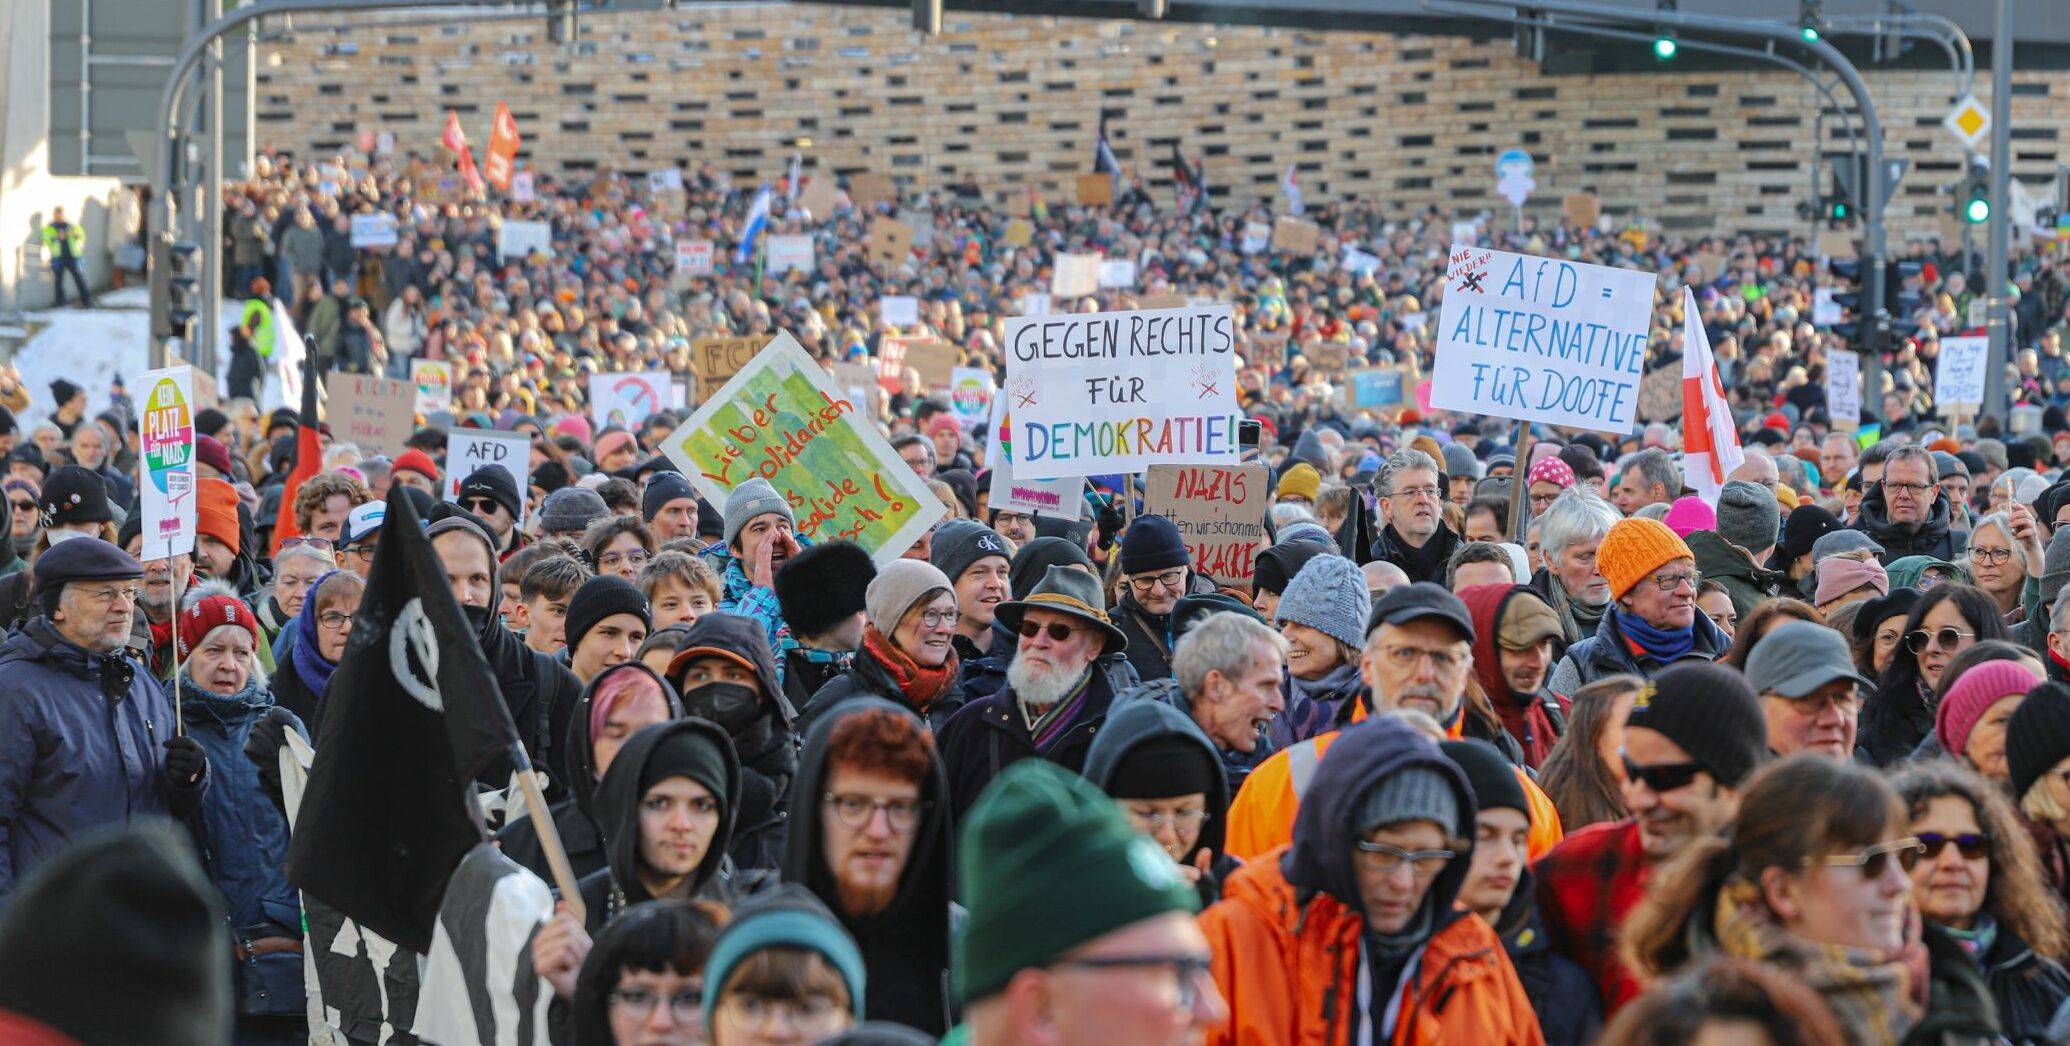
(1053,724)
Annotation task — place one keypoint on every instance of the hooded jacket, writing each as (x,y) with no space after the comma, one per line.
(766,747)
(617,809)
(1609,653)
(905,947)
(1560,992)
(1719,560)
(1535,720)
(574,818)
(1933,538)
(1288,942)
(1136,723)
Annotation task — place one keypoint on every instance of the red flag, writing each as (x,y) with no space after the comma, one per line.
(308,453)
(455,141)
(503,147)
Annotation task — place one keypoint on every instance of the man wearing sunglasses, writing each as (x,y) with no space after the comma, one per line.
(1811,694)
(1379,854)
(1693,735)
(492,496)
(1652,621)
(1907,512)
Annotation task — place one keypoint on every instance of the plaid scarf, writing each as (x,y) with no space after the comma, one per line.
(1877,996)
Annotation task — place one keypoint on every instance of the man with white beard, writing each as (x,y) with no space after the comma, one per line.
(1053,699)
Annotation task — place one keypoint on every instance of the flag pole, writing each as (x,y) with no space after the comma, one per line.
(1518,477)
(549,836)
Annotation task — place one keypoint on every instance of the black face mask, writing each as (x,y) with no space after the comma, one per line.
(733,706)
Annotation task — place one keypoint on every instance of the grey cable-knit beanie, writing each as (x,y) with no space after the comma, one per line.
(1328,595)
(1414,793)
(1748,515)
(897,587)
(2055,566)
(751,499)
(571,509)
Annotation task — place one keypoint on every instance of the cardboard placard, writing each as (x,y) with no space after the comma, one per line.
(626,398)
(788,254)
(1076,276)
(471,450)
(1330,358)
(1582,209)
(1660,393)
(1256,237)
(376,414)
(1958,376)
(1837,243)
(1220,513)
(1095,190)
(866,190)
(899,310)
(1844,388)
(1710,265)
(716,360)
(891,241)
(820,197)
(518,239)
(1019,233)
(693,258)
(1296,235)
(934,358)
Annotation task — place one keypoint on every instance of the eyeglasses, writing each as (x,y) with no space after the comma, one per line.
(1189,970)
(320,544)
(1671,582)
(857,811)
(480,505)
(1914,489)
(938,618)
(1993,556)
(1385,858)
(1971,845)
(811,1011)
(636,559)
(1180,820)
(363,551)
(1814,703)
(1875,860)
(1058,631)
(687,1006)
(1946,639)
(108,596)
(1426,493)
(1169,579)
(1660,777)
(334,620)
(1405,657)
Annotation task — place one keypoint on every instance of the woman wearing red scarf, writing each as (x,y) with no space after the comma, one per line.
(906,655)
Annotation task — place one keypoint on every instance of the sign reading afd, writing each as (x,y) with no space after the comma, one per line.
(1541,339)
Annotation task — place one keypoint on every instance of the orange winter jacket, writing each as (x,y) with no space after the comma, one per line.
(1262,815)
(1289,973)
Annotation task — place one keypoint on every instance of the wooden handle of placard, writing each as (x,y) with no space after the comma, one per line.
(1518,474)
(550,841)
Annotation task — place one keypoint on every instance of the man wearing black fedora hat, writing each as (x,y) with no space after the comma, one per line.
(1054,698)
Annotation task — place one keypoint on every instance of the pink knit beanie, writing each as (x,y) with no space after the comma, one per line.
(1973,695)
(1689,515)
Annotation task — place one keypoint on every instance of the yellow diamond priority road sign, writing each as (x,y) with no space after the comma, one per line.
(1969,122)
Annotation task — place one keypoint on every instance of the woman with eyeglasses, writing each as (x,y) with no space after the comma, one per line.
(619,545)
(784,972)
(1168,780)
(320,632)
(2005,557)
(643,981)
(1944,623)
(907,655)
(1813,878)
(1978,878)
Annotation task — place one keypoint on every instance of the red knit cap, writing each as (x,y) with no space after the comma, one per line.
(414,460)
(210,611)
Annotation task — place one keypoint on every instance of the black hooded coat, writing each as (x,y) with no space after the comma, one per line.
(766,745)
(1135,723)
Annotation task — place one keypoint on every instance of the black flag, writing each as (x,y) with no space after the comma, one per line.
(412,714)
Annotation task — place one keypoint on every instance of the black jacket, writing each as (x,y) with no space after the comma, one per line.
(1135,723)
(1425,564)
(2029,988)
(1149,635)
(805,671)
(617,806)
(1561,992)
(1932,538)
(767,748)
(990,734)
(867,677)
(905,947)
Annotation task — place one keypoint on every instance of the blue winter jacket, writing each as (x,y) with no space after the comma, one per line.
(73,758)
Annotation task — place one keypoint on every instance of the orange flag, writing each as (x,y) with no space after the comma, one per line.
(503,147)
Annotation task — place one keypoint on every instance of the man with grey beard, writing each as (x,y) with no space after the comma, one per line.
(1053,699)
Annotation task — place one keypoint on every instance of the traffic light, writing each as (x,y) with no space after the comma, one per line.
(1899,302)
(175,289)
(1847,294)
(1973,201)
(1810,19)
(1665,46)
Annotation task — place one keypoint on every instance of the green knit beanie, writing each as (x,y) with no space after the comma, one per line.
(1047,863)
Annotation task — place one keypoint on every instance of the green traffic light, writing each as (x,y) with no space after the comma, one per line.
(1664,47)
(1977,211)
(1809,33)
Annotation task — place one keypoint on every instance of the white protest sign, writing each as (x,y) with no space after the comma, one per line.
(373,230)
(1466,232)
(517,239)
(1844,388)
(970,396)
(523,189)
(627,398)
(899,310)
(1541,339)
(165,433)
(664,178)
(1076,276)
(1035,304)
(1513,181)
(1359,263)
(1054,498)
(1094,393)
(1256,237)
(434,379)
(1825,312)
(1958,378)
(789,254)
(471,450)
(693,257)
(1117,275)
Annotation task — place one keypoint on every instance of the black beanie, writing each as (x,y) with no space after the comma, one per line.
(1805,525)
(1152,543)
(959,544)
(495,484)
(76,495)
(550,476)
(692,754)
(208,421)
(823,585)
(1162,768)
(1711,712)
(1037,556)
(664,488)
(1277,565)
(2037,736)
(120,914)
(1492,777)
(711,523)
(599,598)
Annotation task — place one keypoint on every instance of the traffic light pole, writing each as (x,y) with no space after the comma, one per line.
(1998,325)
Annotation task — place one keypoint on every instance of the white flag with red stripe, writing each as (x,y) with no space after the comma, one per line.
(1710,442)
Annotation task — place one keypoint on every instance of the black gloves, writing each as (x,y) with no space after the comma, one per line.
(262,746)
(185,764)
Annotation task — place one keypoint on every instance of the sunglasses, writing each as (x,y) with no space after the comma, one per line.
(1948,639)
(1058,631)
(1875,860)
(1661,777)
(321,544)
(1972,846)
(479,505)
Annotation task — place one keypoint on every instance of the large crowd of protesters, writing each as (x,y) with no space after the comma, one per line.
(1511,737)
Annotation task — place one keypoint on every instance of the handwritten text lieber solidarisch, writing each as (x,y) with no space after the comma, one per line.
(767,452)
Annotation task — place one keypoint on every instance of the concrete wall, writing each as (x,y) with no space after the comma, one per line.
(1416,120)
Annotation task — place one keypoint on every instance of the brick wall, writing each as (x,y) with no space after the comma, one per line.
(1417,120)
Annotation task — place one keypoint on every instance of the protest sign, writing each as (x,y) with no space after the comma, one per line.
(788,254)
(523,188)
(1660,393)
(434,381)
(867,189)
(1541,339)
(1019,233)
(693,258)
(1095,393)
(859,382)
(626,398)
(891,241)
(1117,275)
(782,419)
(820,197)
(471,450)
(1844,388)
(1825,311)
(970,396)
(1836,243)
(1256,237)
(1035,303)
(1330,358)
(1096,190)
(899,310)
(165,435)
(1270,345)
(1358,262)
(1958,377)
(1295,235)
(376,414)
(716,360)
(1220,513)
(1076,276)
(373,230)
(1466,232)
(934,358)
(664,178)
(1054,498)
(1582,209)
(516,239)
(1372,387)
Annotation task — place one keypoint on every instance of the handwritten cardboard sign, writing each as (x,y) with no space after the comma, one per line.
(1844,388)
(891,241)
(788,254)
(782,419)
(518,239)
(1660,393)
(865,190)
(1541,339)
(1295,235)
(1582,209)
(1220,513)
(820,197)
(716,360)
(377,414)
(1095,190)
(1076,276)
(1958,376)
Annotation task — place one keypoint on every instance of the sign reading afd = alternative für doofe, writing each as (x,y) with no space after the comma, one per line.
(1106,392)
(1541,339)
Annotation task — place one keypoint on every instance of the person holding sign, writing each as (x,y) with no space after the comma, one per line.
(1415,537)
